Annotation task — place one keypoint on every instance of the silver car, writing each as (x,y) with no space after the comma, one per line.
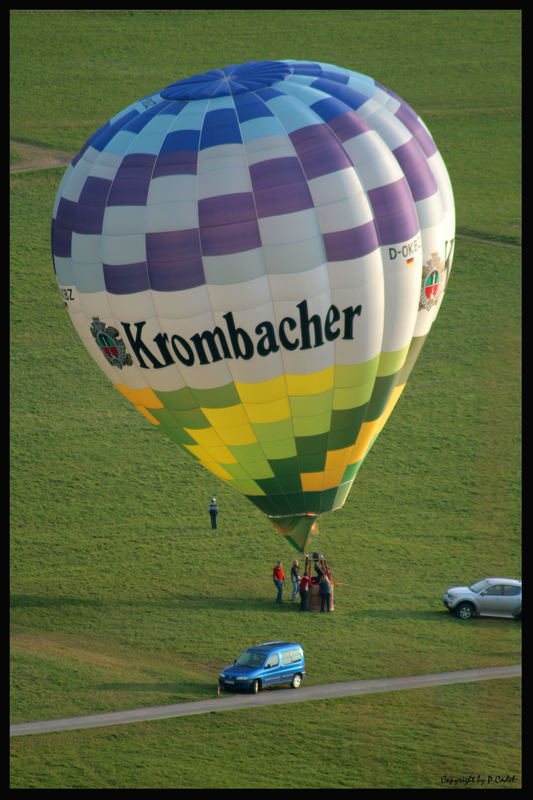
(492,597)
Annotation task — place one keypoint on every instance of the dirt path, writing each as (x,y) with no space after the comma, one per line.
(34,157)
(266,698)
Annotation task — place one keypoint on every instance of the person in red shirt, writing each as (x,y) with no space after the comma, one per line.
(304,592)
(278,578)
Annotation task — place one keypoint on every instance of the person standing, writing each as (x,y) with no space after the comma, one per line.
(295,577)
(304,592)
(213,512)
(278,577)
(325,592)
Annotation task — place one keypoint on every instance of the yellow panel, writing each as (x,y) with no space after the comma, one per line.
(369,430)
(313,383)
(273,411)
(217,470)
(231,424)
(198,452)
(204,458)
(312,481)
(207,437)
(221,454)
(336,463)
(140,397)
(332,478)
(262,392)
(338,459)
(229,417)
(244,434)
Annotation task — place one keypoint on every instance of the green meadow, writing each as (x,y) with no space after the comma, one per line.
(121,594)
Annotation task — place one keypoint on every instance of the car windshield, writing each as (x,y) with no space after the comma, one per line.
(479,586)
(250,659)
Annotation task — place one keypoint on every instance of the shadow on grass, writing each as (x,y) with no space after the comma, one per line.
(233,605)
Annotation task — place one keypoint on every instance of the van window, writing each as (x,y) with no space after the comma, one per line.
(250,659)
(272,660)
(290,656)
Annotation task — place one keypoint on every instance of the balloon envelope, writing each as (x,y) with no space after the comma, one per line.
(254,257)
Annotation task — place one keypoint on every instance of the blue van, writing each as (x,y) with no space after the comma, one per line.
(264,665)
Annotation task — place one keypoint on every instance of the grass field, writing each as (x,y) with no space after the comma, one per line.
(122,595)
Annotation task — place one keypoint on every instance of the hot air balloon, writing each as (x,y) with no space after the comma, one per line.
(254,257)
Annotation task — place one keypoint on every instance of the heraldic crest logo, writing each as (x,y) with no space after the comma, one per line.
(432,282)
(110,343)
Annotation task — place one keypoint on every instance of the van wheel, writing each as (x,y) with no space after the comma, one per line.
(296,681)
(255,687)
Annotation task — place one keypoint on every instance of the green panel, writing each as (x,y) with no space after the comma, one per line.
(284,467)
(341,495)
(237,471)
(270,486)
(391,363)
(282,449)
(380,397)
(412,355)
(248,453)
(259,470)
(310,445)
(179,400)
(287,474)
(194,419)
(345,426)
(311,502)
(353,396)
(311,426)
(176,433)
(351,418)
(311,404)
(273,431)
(276,505)
(221,397)
(314,462)
(355,374)
(351,471)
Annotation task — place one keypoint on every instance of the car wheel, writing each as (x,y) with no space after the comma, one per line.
(464,611)
(255,687)
(296,681)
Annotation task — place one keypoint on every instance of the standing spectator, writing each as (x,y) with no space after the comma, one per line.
(295,577)
(325,592)
(213,512)
(278,577)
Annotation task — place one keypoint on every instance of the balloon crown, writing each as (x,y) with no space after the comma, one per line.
(231,80)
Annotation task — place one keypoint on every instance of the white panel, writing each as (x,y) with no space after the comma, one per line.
(238,296)
(86,248)
(182,304)
(118,250)
(171,188)
(124,220)
(169,217)
(287,228)
(269,147)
